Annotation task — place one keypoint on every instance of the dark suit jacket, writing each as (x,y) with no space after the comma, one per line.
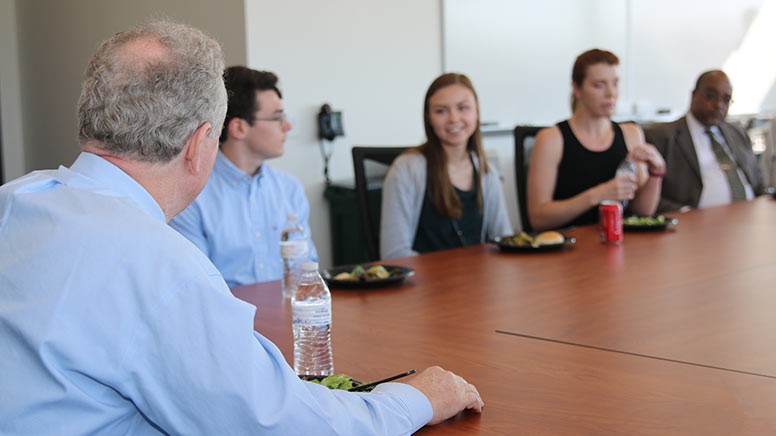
(682,184)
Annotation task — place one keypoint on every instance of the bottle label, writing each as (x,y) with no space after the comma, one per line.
(293,249)
(316,313)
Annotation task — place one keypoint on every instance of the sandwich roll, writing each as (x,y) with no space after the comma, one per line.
(549,237)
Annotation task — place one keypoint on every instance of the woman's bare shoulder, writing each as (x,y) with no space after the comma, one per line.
(549,133)
(632,133)
(549,138)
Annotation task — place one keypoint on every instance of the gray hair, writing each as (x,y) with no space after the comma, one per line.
(145,106)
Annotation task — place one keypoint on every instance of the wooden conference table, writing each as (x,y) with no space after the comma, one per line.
(672,333)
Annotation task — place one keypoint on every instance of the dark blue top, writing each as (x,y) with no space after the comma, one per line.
(440,232)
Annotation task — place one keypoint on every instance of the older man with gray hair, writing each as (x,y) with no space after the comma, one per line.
(113,323)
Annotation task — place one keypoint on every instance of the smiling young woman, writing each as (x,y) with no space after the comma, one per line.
(443,194)
(573,163)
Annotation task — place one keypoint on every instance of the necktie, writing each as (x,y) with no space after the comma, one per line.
(737,191)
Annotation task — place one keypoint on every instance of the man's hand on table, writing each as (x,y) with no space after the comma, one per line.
(447,392)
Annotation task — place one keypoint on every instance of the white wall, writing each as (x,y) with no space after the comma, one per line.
(671,49)
(55,41)
(10,95)
(519,53)
(372,60)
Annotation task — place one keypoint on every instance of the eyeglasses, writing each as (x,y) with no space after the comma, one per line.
(280,118)
(713,96)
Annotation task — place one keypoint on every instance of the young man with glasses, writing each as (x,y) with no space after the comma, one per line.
(708,161)
(237,219)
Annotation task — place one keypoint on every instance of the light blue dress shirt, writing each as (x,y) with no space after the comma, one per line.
(113,323)
(237,220)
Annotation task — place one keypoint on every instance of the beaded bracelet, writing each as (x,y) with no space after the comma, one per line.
(656,174)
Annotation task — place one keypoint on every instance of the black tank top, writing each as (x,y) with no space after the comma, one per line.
(581,169)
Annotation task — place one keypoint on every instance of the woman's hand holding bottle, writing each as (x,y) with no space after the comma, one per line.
(648,154)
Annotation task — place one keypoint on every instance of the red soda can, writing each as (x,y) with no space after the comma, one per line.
(610,220)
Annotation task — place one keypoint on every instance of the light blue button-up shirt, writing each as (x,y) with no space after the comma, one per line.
(113,323)
(237,220)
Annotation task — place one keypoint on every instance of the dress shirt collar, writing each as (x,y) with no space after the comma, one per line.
(697,129)
(114,178)
(232,172)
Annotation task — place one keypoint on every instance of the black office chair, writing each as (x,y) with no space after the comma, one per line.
(524,141)
(370,165)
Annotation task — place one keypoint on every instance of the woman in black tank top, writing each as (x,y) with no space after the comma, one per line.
(573,164)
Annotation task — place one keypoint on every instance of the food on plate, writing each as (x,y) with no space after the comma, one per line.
(644,220)
(377,272)
(549,237)
(358,271)
(521,239)
(373,272)
(345,276)
(336,381)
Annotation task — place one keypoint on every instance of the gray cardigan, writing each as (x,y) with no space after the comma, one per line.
(404,188)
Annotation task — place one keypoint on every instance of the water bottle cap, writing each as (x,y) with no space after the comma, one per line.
(310,266)
(627,164)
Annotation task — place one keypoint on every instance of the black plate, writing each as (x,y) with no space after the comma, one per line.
(650,227)
(505,246)
(328,275)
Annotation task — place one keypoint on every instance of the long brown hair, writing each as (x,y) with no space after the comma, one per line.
(440,189)
(586,59)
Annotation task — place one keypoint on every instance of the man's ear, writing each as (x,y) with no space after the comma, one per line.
(235,128)
(197,148)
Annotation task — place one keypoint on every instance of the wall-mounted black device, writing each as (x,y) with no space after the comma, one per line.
(329,123)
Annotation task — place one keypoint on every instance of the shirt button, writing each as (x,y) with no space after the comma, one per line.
(258,234)
(253,201)
(260,266)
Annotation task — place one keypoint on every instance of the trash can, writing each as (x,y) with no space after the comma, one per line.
(347,236)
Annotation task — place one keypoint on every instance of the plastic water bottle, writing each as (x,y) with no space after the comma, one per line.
(294,251)
(626,169)
(311,313)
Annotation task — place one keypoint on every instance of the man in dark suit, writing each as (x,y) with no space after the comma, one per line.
(708,161)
